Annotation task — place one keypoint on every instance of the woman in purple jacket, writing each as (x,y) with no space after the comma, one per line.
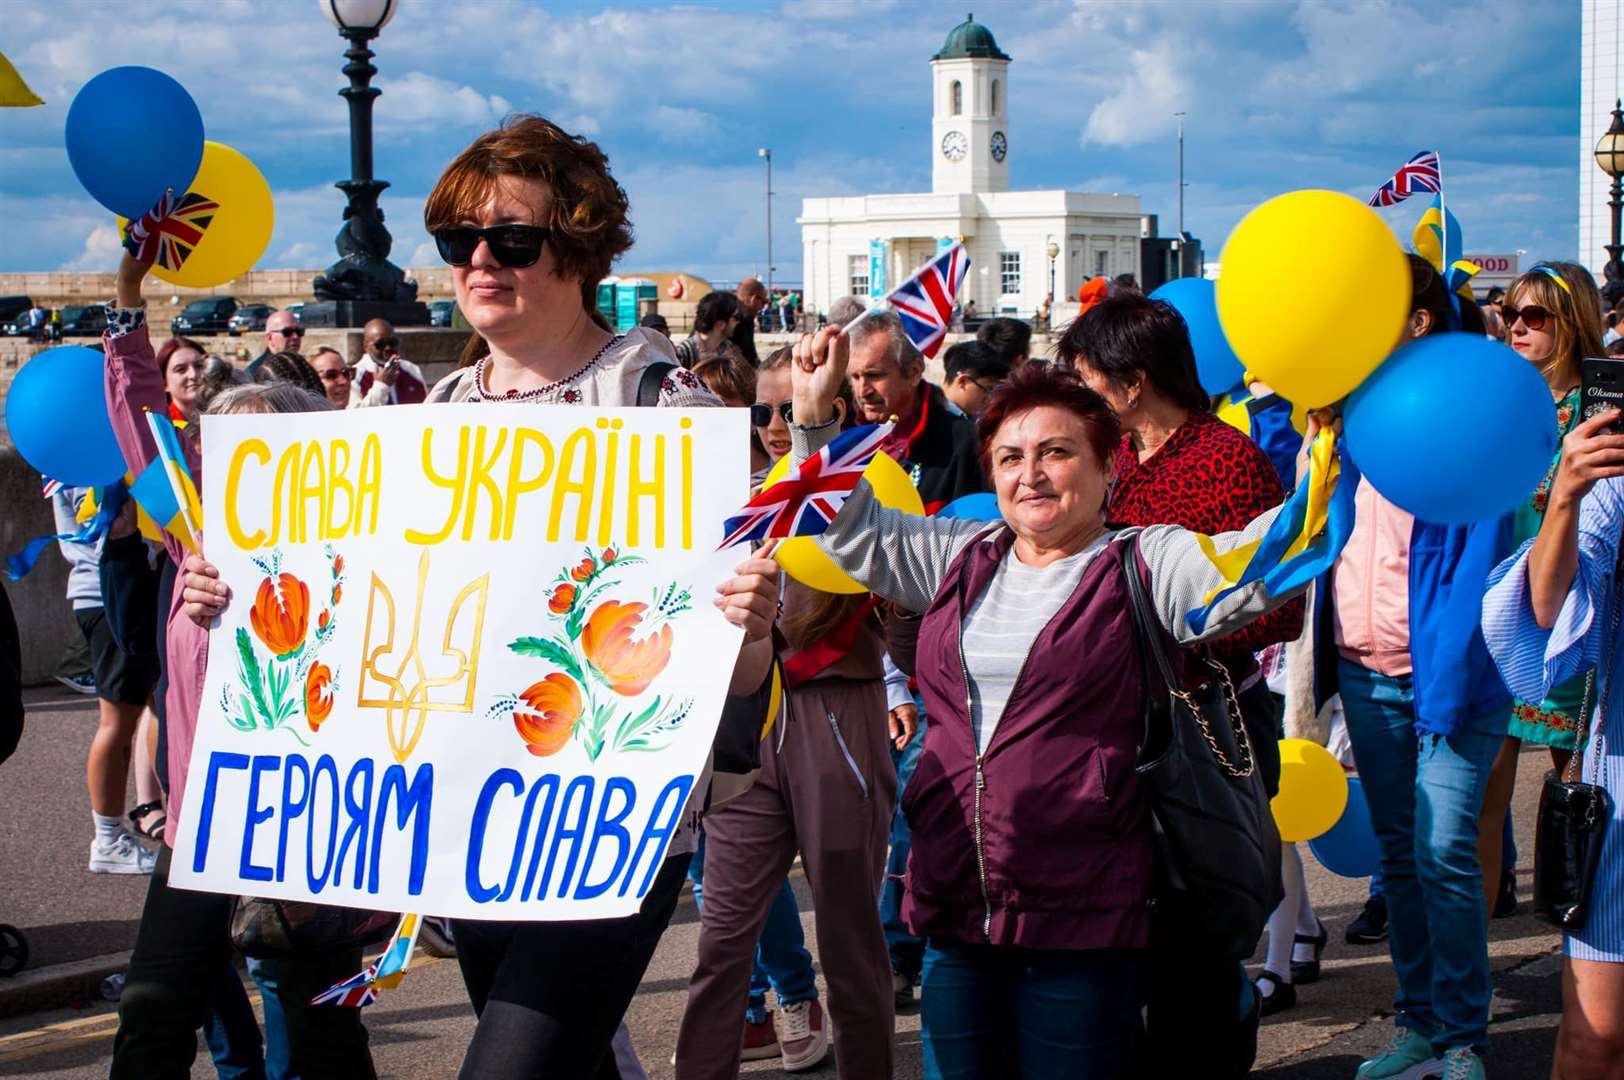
(1031,868)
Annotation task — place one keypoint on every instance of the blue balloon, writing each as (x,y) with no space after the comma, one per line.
(1215,362)
(132,134)
(56,413)
(1350,849)
(1454,428)
(982,506)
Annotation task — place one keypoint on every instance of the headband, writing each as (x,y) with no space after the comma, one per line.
(1556,276)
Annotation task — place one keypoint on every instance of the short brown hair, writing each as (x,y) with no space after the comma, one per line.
(1033,386)
(728,374)
(168,349)
(589,221)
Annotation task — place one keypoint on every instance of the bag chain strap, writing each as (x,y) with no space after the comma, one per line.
(1148,634)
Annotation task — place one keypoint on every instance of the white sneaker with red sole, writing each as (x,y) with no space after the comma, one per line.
(803,1036)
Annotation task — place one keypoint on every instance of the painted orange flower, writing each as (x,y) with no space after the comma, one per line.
(318,695)
(583,570)
(338,593)
(338,565)
(563,597)
(557,704)
(609,556)
(629,666)
(281,613)
(323,619)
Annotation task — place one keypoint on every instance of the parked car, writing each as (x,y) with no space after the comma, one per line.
(210,315)
(13,308)
(440,312)
(295,310)
(249,317)
(86,320)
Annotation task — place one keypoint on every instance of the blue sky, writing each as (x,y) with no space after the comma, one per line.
(1279,96)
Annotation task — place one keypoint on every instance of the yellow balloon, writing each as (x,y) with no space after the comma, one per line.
(235,232)
(1313,791)
(1281,303)
(801,557)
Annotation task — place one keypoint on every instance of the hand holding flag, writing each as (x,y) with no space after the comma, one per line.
(925,301)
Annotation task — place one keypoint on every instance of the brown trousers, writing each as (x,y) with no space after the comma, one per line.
(826,789)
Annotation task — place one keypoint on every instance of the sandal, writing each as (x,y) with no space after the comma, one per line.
(1307,971)
(154,829)
(1281,996)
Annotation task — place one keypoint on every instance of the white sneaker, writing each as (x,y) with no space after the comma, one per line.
(122,856)
(802,1036)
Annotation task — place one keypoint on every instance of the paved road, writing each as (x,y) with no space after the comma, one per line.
(419,1030)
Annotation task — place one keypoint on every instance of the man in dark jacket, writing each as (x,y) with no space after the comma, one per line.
(752,296)
(934,443)
(937,446)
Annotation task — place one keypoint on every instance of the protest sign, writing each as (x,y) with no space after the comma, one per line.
(471,664)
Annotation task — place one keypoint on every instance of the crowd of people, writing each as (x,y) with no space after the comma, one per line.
(954,762)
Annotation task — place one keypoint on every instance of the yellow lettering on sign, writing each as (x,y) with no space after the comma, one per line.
(579,444)
(452,483)
(308,479)
(517,482)
(239,457)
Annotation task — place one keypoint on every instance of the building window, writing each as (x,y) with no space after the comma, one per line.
(1102,263)
(958,97)
(995,97)
(857,275)
(1009,272)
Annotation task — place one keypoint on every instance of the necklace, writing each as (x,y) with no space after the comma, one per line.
(482,366)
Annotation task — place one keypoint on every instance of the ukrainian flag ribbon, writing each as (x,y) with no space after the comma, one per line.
(165,489)
(1304,540)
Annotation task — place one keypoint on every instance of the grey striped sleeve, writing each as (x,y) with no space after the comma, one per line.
(898,557)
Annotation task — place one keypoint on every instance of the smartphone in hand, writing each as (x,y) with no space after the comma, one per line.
(1601,387)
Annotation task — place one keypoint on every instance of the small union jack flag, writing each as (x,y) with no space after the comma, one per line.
(166,234)
(355,992)
(805,501)
(1420,173)
(925,301)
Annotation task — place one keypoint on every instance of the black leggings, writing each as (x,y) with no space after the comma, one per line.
(549,995)
(183,942)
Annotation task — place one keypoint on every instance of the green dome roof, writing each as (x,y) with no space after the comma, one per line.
(970,38)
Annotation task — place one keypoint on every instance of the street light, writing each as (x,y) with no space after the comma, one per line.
(363,271)
(767,156)
(1053,251)
(1610,158)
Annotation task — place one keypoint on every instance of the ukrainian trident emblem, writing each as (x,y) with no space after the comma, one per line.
(402,683)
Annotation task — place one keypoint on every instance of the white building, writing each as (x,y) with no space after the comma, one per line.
(1600,84)
(1022,244)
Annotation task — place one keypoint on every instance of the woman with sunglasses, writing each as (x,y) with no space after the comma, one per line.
(530,220)
(825,791)
(1552,317)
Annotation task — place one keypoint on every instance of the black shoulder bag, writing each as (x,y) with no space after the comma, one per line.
(1217,849)
(1573,815)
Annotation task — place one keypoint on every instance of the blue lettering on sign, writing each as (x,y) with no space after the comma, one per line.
(477,890)
(291,807)
(247,869)
(607,824)
(573,833)
(360,810)
(325,766)
(550,783)
(413,801)
(218,760)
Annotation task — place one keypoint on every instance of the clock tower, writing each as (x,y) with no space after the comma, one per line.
(970,124)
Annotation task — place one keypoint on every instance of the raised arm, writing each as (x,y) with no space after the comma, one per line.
(1589,454)
(135,386)
(897,556)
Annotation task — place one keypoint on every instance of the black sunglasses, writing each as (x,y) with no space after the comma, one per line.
(290,331)
(762,415)
(1533,316)
(514,246)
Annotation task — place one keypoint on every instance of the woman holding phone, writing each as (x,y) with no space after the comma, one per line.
(1552,317)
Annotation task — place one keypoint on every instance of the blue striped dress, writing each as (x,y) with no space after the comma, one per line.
(1533,660)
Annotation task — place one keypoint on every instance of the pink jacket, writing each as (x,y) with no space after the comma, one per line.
(1371,583)
(134,386)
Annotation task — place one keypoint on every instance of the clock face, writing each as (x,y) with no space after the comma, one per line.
(955,145)
(1000,145)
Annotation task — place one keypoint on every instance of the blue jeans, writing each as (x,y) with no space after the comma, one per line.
(1031,1014)
(907,951)
(781,957)
(232,1032)
(326,1033)
(1425,793)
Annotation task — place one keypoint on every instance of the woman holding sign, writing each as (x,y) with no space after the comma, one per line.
(1032,861)
(530,220)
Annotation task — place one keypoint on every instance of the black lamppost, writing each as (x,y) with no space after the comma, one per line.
(363,284)
(1610,157)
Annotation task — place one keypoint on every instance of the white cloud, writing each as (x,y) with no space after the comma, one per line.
(1142,110)
(690,125)
(417,99)
(101,250)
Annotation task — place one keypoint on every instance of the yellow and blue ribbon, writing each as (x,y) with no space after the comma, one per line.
(1304,540)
